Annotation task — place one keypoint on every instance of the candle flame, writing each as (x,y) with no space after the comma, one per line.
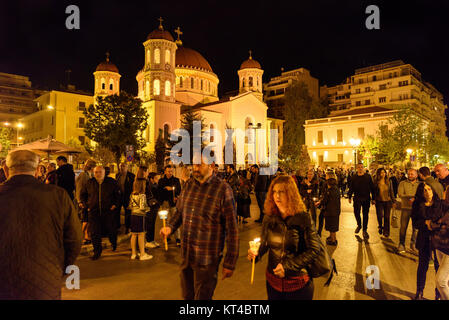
(256,240)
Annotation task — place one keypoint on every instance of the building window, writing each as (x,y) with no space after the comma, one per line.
(403,83)
(167,56)
(110,86)
(361,133)
(148,56)
(201,84)
(82,139)
(147,88)
(340,157)
(340,135)
(382,87)
(180,82)
(81,123)
(211,128)
(367,102)
(250,81)
(167,88)
(192,83)
(103,85)
(320,136)
(367,89)
(374,78)
(157,56)
(357,90)
(157,87)
(81,106)
(383,99)
(357,103)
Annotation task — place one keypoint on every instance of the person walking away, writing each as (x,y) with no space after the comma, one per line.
(406,191)
(331,209)
(169,189)
(425,206)
(101,196)
(51,177)
(2,171)
(442,173)
(80,183)
(290,240)
(362,187)
(206,210)
(244,199)
(384,201)
(66,176)
(125,180)
(309,190)
(233,180)
(139,208)
(260,188)
(152,214)
(40,233)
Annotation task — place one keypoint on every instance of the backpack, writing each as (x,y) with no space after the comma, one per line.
(323,265)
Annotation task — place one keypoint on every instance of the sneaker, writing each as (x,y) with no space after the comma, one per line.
(146,257)
(365,235)
(133,257)
(152,245)
(401,248)
(357,230)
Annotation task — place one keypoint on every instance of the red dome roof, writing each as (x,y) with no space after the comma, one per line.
(186,57)
(107,66)
(160,34)
(250,63)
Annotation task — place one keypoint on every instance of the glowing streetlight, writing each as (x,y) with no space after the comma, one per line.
(409,151)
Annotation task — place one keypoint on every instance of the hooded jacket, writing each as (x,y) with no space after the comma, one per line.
(66,178)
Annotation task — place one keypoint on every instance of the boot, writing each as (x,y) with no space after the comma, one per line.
(419,295)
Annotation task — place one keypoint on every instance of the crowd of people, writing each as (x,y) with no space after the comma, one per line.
(205,205)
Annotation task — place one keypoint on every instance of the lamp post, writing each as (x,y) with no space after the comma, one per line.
(354,143)
(18,126)
(251,126)
(50,107)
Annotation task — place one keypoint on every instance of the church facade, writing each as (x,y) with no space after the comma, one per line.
(176,79)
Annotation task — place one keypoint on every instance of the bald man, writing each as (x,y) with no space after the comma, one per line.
(101,196)
(443,177)
(40,233)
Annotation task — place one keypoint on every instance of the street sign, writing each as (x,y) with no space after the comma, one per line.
(129,158)
(129,153)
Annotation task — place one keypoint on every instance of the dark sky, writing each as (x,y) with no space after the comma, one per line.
(327,37)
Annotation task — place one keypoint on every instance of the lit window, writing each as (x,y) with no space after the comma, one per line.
(250,81)
(180,82)
(212,133)
(157,56)
(201,84)
(157,87)
(111,84)
(192,82)
(167,88)
(103,85)
(167,56)
(147,88)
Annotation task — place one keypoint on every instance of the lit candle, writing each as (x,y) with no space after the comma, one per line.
(163,214)
(254,247)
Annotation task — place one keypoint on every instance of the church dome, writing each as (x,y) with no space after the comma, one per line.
(107,66)
(250,63)
(160,34)
(189,58)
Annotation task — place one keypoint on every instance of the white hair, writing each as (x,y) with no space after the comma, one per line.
(22,161)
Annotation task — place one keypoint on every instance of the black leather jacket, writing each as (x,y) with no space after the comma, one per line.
(291,242)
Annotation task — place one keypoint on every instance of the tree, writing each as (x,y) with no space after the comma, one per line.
(116,121)
(437,149)
(369,148)
(104,155)
(299,107)
(6,136)
(79,157)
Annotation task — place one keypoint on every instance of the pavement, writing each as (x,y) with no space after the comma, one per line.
(115,277)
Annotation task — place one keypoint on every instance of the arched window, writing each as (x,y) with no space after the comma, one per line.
(250,81)
(147,88)
(157,56)
(96,83)
(192,83)
(248,122)
(167,56)
(211,129)
(148,56)
(180,82)
(166,131)
(167,88)
(157,87)
(111,84)
(201,84)
(103,85)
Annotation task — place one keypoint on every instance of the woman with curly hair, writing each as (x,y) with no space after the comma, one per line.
(290,240)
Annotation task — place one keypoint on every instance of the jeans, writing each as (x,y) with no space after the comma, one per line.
(150,222)
(405,219)
(305,293)
(198,282)
(383,210)
(442,277)
(364,205)
(96,241)
(260,196)
(423,265)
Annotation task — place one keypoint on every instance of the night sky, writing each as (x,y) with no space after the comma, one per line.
(327,37)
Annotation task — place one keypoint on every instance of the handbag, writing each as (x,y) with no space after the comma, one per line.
(323,265)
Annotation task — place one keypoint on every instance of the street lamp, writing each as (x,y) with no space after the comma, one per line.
(354,143)
(251,126)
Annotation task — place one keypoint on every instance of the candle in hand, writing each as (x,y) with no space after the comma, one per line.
(163,215)
(254,247)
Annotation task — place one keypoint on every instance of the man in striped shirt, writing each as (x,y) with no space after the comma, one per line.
(207,212)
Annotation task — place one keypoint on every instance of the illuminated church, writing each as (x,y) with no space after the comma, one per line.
(175,78)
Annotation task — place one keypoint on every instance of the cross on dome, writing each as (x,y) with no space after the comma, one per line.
(107,56)
(179,33)
(160,23)
(250,52)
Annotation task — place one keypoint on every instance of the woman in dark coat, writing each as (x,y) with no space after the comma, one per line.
(426,207)
(290,241)
(243,198)
(308,190)
(385,199)
(331,209)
